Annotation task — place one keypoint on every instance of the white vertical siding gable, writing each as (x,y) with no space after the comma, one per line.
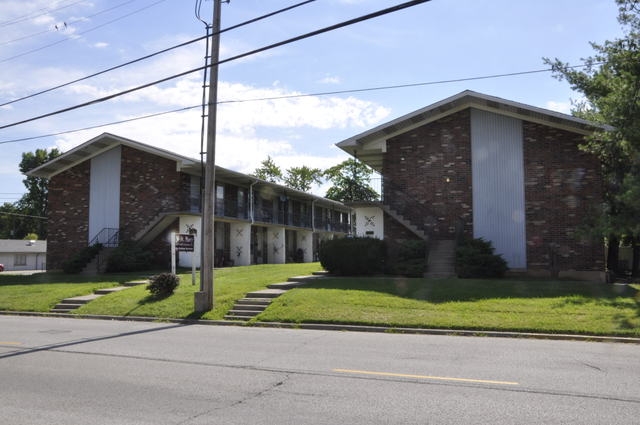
(498,184)
(104,192)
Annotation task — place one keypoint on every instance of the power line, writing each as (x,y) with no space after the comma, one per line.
(70,22)
(173,111)
(293,96)
(156,53)
(242,55)
(84,32)
(23,215)
(35,14)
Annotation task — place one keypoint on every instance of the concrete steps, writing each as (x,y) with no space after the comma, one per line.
(69,304)
(256,302)
(98,264)
(442,259)
(406,223)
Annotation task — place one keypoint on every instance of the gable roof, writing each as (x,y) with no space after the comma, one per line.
(107,141)
(98,145)
(17,246)
(369,146)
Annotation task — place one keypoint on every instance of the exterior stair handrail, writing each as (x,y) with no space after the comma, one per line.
(108,237)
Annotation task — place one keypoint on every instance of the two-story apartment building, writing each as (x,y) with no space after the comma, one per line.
(486,167)
(112,189)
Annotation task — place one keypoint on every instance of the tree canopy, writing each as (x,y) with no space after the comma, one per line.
(610,84)
(351,182)
(302,178)
(269,171)
(28,215)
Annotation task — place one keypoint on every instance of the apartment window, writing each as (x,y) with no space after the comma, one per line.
(20,260)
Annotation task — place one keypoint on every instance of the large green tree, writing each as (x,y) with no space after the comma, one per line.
(302,178)
(299,178)
(610,85)
(350,182)
(269,171)
(33,204)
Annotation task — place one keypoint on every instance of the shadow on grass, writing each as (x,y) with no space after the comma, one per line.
(149,299)
(53,277)
(451,290)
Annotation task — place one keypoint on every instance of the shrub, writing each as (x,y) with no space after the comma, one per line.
(353,256)
(476,258)
(129,257)
(163,284)
(79,261)
(411,260)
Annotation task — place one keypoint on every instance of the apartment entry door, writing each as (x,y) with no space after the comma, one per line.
(259,246)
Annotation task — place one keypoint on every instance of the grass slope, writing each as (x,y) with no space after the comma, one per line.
(230,284)
(509,305)
(515,305)
(42,291)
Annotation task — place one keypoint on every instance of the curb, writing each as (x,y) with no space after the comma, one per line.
(343,327)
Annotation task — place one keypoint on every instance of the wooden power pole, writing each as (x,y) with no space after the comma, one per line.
(203,300)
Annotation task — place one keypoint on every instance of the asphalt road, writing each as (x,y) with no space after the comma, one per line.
(72,371)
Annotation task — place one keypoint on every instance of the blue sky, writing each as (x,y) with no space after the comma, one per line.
(436,41)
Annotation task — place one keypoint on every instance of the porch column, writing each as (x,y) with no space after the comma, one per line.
(305,243)
(276,245)
(241,244)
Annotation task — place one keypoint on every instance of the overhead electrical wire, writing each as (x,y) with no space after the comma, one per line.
(83,32)
(35,14)
(294,96)
(251,21)
(69,22)
(24,215)
(240,56)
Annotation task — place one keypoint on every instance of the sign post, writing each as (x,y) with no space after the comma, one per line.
(184,242)
(173,253)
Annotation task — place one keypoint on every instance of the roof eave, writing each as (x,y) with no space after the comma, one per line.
(357,145)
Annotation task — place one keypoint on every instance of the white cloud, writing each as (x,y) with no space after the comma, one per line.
(100,45)
(564,107)
(307,111)
(329,79)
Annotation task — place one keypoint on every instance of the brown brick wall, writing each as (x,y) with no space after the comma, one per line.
(68,223)
(149,185)
(562,185)
(428,176)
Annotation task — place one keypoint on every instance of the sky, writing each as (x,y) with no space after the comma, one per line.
(46,43)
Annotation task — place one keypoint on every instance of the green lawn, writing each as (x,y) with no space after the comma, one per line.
(230,284)
(508,305)
(41,291)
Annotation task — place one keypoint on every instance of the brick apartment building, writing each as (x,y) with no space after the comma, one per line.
(111,189)
(481,166)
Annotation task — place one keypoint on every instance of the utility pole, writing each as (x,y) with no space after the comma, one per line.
(203,300)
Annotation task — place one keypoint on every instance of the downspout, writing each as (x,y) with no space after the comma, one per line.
(313,216)
(251,211)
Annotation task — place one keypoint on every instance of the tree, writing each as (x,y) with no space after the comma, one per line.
(610,84)
(269,171)
(302,178)
(10,221)
(350,181)
(33,204)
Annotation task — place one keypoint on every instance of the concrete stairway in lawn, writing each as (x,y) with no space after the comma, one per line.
(442,258)
(98,264)
(256,302)
(69,304)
